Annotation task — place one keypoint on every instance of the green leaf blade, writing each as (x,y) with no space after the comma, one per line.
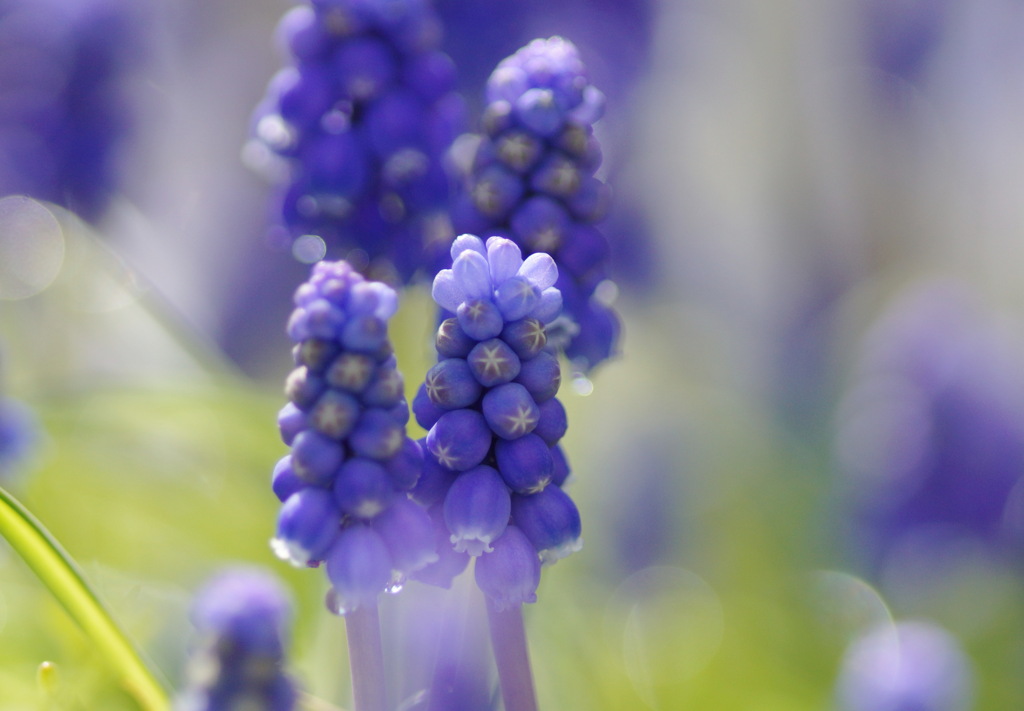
(58,572)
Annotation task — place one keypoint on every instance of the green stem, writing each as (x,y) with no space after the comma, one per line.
(366,658)
(58,572)
(508,639)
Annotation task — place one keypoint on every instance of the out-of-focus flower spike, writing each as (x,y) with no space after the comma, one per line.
(531,177)
(241,617)
(361,122)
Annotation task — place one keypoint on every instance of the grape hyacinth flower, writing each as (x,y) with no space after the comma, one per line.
(241,616)
(493,467)
(909,666)
(344,485)
(358,126)
(64,107)
(530,178)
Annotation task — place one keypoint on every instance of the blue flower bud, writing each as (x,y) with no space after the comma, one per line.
(510,411)
(334,414)
(525,463)
(315,458)
(364,333)
(480,319)
(449,562)
(303,388)
(451,341)
(290,421)
(434,481)
(363,67)
(284,481)
(460,439)
(560,472)
(540,224)
(541,376)
(405,466)
(550,520)
(408,533)
(509,575)
(424,410)
(385,389)
(316,354)
(363,488)
(358,566)
(450,384)
(516,298)
(496,192)
(492,362)
(525,337)
(351,371)
(377,435)
(476,510)
(552,423)
(307,524)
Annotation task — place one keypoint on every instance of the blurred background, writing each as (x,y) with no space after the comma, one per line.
(800,481)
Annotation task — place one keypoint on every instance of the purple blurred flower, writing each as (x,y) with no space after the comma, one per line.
(909,666)
(530,177)
(63,103)
(345,485)
(360,123)
(241,617)
(19,432)
(931,432)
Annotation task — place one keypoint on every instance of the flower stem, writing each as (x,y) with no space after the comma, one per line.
(508,638)
(460,679)
(366,658)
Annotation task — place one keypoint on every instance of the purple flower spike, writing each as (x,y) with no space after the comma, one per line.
(550,520)
(241,616)
(359,567)
(909,665)
(509,575)
(347,483)
(361,123)
(476,510)
(531,177)
(485,445)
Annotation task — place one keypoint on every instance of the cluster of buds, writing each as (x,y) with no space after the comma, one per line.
(360,124)
(531,179)
(494,470)
(344,485)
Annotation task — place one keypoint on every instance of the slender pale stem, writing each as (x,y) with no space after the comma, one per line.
(508,638)
(460,678)
(366,658)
